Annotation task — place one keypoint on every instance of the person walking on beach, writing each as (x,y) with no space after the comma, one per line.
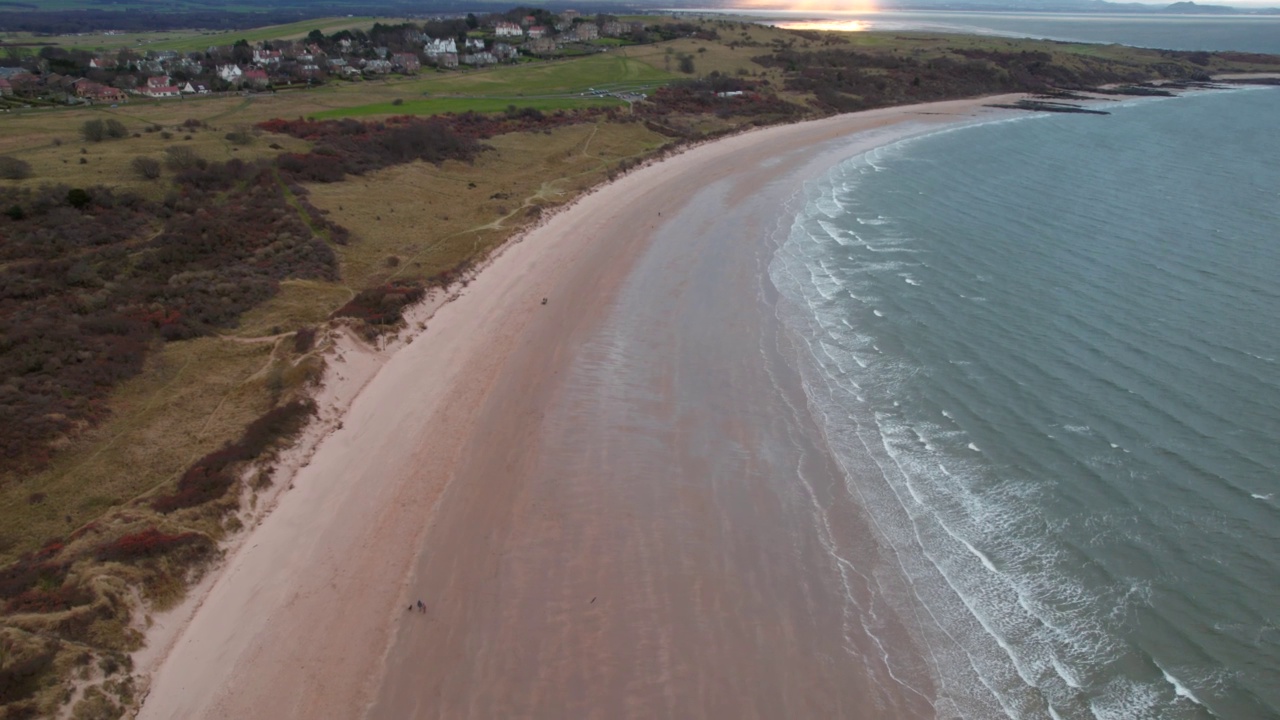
(422,607)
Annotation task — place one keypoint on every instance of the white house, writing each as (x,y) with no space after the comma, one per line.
(230,73)
(195,88)
(508,29)
(435,47)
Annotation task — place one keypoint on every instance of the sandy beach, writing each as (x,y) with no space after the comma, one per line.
(605,501)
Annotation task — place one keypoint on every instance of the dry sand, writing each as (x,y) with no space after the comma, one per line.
(595,497)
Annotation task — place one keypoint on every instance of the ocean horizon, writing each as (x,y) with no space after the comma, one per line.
(1041,350)
(1243,33)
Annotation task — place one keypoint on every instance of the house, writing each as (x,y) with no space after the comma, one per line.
(505,52)
(537,31)
(336,64)
(540,46)
(527,20)
(407,62)
(309,70)
(435,47)
(570,15)
(104,93)
(508,29)
(613,28)
(158,81)
(256,77)
(377,67)
(97,63)
(160,91)
(479,59)
(447,60)
(195,88)
(266,57)
(381,52)
(586,31)
(84,87)
(230,73)
(474,44)
(6,87)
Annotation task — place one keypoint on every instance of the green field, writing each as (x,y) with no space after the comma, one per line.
(196,39)
(436,106)
(554,85)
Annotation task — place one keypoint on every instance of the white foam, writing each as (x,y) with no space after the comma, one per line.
(974,448)
(1256,496)
(878,313)
(1182,690)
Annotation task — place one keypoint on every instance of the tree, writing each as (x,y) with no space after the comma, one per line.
(472,21)
(686,64)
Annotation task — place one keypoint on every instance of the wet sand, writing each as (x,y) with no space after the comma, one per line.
(607,502)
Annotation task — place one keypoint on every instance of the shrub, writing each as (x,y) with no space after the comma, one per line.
(98,130)
(181,157)
(304,339)
(382,305)
(398,102)
(148,544)
(12,168)
(214,474)
(78,198)
(240,137)
(147,168)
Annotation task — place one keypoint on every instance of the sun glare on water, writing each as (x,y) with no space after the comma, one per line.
(840,23)
(826,25)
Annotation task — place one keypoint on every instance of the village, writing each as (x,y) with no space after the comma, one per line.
(57,76)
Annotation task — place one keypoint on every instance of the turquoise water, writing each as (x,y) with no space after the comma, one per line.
(1045,350)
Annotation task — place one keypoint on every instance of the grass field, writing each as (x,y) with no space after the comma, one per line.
(196,39)
(435,106)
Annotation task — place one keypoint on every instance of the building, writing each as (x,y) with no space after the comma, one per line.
(586,31)
(435,48)
(377,67)
(256,77)
(505,52)
(508,29)
(407,62)
(230,73)
(479,59)
(195,88)
(537,31)
(266,57)
(160,91)
(474,44)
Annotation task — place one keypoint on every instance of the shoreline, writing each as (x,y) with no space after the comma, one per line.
(335,552)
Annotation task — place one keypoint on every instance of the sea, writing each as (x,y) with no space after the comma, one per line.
(1046,352)
(1245,33)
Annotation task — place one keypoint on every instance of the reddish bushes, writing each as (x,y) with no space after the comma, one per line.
(46,601)
(148,544)
(211,476)
(85,292)
(381,305)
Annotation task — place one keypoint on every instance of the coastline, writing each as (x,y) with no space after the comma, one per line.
(316,592)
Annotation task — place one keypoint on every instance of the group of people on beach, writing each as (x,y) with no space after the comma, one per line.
(422,607)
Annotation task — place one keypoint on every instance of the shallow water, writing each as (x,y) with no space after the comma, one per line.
(1043,351)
